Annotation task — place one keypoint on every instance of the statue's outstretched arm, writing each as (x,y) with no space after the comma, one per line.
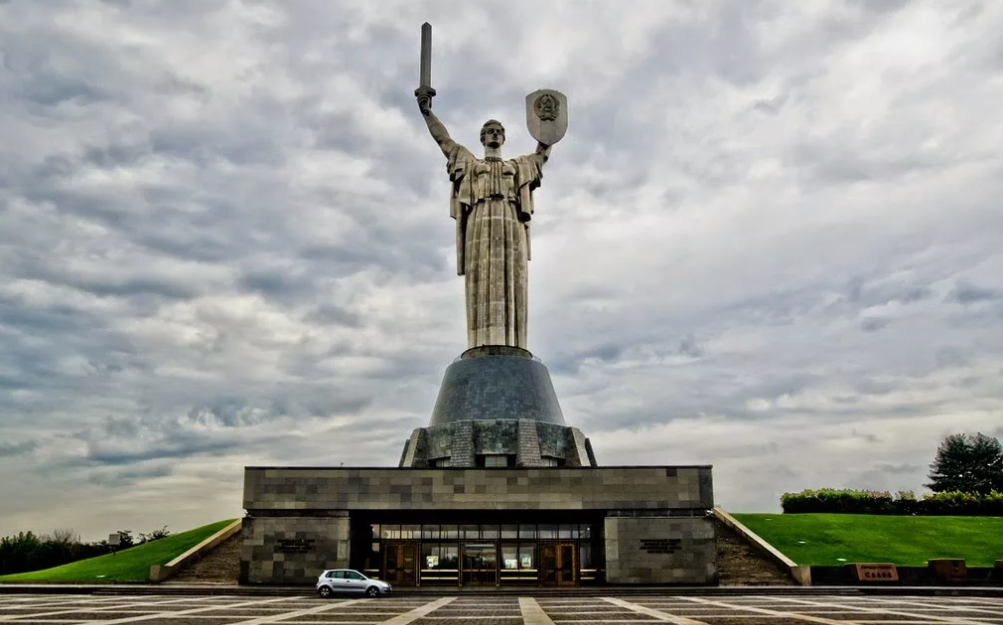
(435,127)
(543,150)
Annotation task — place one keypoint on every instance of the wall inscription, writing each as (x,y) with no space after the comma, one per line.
(661,545)
(296,545)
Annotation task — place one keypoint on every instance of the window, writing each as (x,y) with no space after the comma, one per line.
(339,575)
(509,532)
(585,556)
(429,532)
(527,531)
(392,532)
(469,532)
(495,460)
(548,532)
(441,463)
(567,531)
(331,574)
(586,531)
(353,575)
(410,531)
(449,557)
(450,532)
(429,555)
(527,556)
(376,531)
(547,461)
(510,557)
(489,532)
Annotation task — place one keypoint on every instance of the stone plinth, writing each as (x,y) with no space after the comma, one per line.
(496,383)
(497,405)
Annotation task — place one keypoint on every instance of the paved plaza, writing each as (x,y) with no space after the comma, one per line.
(507,610)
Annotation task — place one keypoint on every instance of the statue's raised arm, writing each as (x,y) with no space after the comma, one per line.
(435,127)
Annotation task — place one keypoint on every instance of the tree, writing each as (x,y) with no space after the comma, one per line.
(154,535)
(125,539)
(970,464)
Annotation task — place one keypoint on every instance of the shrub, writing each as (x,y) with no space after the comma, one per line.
(849,501)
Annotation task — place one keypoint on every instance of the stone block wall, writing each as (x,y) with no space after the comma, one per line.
(660,550)
(292,550)
(584,488)
(527,440)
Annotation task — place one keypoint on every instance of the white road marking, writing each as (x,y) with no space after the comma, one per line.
(187,612)
(81,608)
(776,613)
(274,618)
(662,616)
(532,613)
(887,610)
(946,608)
(417,613)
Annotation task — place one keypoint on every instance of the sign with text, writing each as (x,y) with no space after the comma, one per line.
(869,572)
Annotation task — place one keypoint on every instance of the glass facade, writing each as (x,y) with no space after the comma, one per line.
(479,554)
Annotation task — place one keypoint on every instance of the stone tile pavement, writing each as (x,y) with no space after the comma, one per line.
(507,610)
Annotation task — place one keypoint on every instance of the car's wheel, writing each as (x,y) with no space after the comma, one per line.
(373,591)
(324,592)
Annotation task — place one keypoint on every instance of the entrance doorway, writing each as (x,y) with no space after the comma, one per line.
(558,564)
(480,564)
(400,563)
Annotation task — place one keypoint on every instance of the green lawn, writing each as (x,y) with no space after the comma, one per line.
(128,565)
(835,539)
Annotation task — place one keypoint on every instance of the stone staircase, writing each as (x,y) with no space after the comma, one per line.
(219,566)
(739,564)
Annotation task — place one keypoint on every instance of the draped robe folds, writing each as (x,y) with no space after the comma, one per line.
(492,203)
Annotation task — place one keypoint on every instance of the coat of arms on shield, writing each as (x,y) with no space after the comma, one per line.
(547,115)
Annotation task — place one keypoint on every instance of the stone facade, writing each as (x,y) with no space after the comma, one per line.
(292,549)
(660,550)
(526,443)
(584,488)
(651,523)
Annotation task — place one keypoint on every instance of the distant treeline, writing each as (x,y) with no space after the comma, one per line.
(966,478)
(847,501)
(27,551)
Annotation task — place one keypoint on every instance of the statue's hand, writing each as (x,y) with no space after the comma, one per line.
(425,103)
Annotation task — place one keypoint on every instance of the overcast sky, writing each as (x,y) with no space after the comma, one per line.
(770,241)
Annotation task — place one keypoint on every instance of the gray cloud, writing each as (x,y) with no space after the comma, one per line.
(769,239)
(8,449)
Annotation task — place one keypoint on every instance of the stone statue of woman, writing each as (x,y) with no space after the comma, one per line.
(492,203)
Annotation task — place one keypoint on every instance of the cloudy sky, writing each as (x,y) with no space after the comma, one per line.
(770,241)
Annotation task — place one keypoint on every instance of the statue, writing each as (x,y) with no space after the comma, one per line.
(492,203)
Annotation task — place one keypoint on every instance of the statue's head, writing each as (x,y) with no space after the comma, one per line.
(492,134)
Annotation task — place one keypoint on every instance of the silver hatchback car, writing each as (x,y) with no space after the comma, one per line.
(349,581)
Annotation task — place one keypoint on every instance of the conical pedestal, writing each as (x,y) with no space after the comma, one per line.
(497,407)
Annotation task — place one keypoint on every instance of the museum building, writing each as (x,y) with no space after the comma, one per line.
(497,491)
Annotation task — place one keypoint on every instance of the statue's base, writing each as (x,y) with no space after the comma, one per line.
(497,407)
(496,382)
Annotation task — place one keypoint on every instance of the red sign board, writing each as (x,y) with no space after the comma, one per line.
(874,572)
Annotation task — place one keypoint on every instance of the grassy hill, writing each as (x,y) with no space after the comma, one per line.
(128,565)
(835,539)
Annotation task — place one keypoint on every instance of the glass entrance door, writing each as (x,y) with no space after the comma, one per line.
(480,564)
(400,563)
(558,564)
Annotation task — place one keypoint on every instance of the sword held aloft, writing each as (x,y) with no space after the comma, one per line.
(425,66)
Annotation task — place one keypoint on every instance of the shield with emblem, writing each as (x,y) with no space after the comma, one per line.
(547,115)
